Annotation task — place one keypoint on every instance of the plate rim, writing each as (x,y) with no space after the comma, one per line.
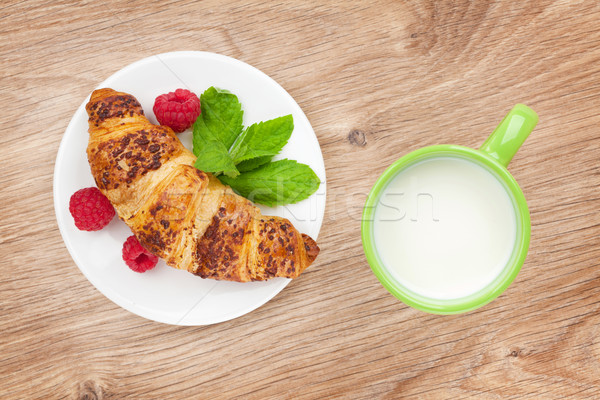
(107,291)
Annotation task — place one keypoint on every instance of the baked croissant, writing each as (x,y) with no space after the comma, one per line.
(183,215)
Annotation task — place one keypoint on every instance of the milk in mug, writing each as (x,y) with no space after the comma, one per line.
(445,227)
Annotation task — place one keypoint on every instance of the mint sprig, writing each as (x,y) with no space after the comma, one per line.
(241,158)
(212,155)
(278,182)
(222,115)
(262,139)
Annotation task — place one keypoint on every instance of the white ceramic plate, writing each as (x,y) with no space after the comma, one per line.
(165,294)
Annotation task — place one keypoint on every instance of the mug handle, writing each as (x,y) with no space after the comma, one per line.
(510,134)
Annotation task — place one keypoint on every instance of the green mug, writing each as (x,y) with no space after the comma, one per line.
(392,246)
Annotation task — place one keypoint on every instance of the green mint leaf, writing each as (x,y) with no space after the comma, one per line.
(200,135)
(215,158)
(253,163)
(212,155)
(263,139)
(222,115)
(279,182)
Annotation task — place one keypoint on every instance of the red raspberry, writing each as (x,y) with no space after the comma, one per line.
(90,209)
(137,257)
(178,110)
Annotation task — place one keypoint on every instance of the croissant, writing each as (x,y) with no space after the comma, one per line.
(183,215)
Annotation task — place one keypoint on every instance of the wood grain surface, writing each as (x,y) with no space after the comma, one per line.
(376,80)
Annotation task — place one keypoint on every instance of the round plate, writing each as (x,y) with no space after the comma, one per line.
(166,294)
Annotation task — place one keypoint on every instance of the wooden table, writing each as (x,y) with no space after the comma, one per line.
(376,81)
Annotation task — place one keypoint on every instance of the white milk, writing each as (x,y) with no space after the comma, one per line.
(445,227)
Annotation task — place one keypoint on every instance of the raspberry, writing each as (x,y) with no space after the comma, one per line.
(178,110)
(137,257)
(90,209)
